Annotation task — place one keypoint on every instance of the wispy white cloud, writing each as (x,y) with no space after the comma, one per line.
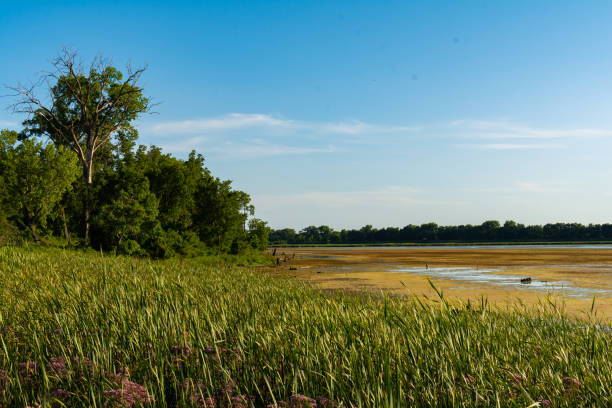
(384,197)
(254,150)
(531,187)
(528,187)
(356,127)
(241,149)
(231,121)
(511,130)
(515,146)
(184,145)
(231,135)
(468,128)
(234,121)
(218,134)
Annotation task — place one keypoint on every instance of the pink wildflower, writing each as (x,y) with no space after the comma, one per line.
(571,384)
(129,395)
(60,394)
(57,367)
(544,402)
(302,401)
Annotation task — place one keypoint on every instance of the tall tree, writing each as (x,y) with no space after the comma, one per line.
(86,108)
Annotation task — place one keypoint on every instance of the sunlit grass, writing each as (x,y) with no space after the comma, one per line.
(89,330)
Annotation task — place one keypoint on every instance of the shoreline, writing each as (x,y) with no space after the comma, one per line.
(441,244)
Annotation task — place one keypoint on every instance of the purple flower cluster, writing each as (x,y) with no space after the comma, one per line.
(180,354)
(571,384)
(226,396)
(57,366)
(60,368)
(181,351)
(149,351)
(302,401)
(324,402)
(517,380)
(196,392)
(237,401)
(27,371)
(60,394)
(544,402)
(4,380)
(84,363)
(128,393)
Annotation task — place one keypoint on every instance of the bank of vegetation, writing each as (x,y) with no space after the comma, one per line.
(73,175)
(488,232)
(84,329)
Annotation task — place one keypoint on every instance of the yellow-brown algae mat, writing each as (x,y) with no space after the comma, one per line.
(571,277)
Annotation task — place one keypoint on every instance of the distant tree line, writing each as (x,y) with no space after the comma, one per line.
(74,172)
(488,231)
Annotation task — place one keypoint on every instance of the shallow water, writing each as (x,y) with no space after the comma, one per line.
(489,276)
(544,246)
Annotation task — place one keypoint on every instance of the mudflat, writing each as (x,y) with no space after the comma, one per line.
(571,277)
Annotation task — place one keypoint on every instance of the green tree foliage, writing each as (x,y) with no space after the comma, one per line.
(143,202)
(35,177)
(258,233)
(88,107)
(221,214)
(174,182)
(488,231)
(152,203)
(129,213)
(6,229)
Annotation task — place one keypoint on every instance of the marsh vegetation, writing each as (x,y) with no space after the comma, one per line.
(84,329)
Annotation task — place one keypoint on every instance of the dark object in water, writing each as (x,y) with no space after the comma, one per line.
(292,268)
(525,280)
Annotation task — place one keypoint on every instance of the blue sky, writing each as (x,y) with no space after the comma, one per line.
(353,113)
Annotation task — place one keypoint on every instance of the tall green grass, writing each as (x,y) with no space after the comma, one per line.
(79,329)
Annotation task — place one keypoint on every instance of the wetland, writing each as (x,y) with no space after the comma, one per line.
(578,277)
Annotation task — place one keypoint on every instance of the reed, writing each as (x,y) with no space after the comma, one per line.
(82,329)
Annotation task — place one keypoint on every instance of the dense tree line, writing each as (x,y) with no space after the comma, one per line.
(488,231)
(74,171)
(143,201)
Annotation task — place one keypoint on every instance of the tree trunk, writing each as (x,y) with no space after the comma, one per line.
(86,216)
(66,233)
(88,175)
(33,233)
(30,223)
